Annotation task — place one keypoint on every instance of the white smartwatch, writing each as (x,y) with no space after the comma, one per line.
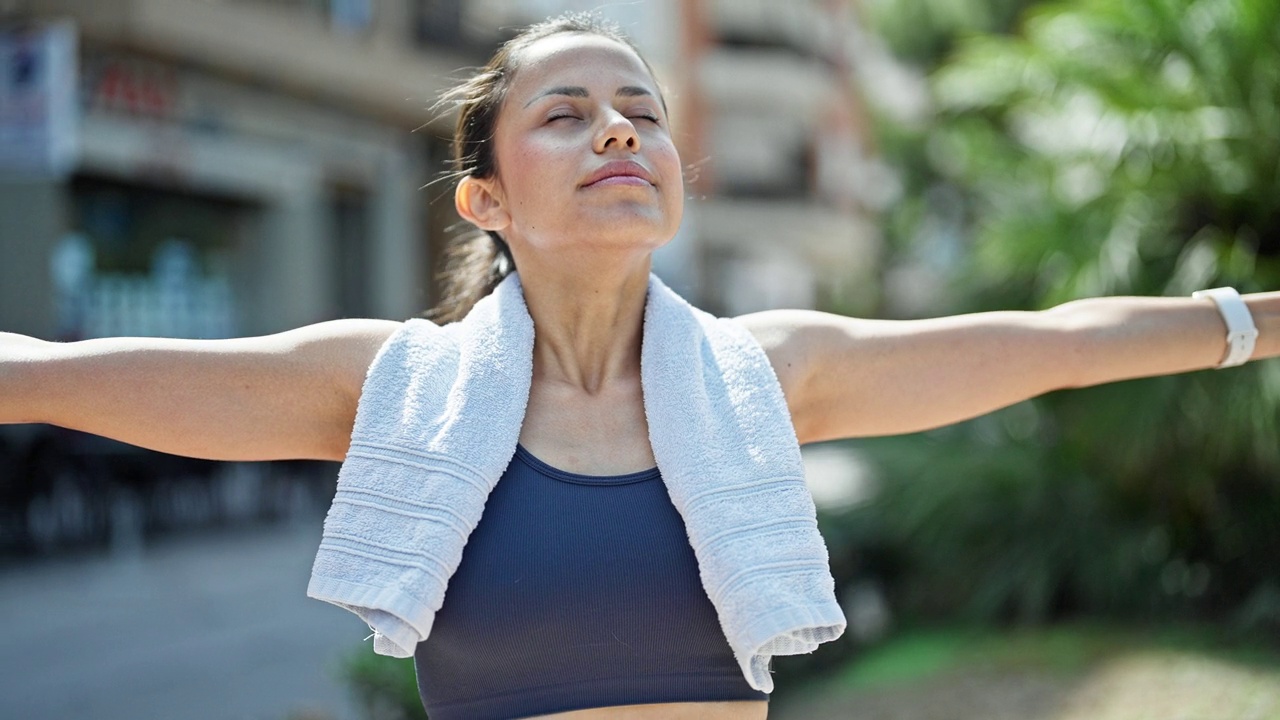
(1241,332)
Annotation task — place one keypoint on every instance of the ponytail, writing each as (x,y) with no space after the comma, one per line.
(474,265)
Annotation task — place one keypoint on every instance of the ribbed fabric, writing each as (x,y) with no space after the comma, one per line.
(575,591)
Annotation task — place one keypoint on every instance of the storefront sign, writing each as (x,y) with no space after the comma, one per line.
(39,115)
(131,87)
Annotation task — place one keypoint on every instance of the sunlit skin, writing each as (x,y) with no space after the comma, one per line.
(578,103)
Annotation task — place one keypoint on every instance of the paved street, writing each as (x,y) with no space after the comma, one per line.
(216,626)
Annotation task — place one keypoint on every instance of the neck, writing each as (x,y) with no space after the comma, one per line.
(588,320)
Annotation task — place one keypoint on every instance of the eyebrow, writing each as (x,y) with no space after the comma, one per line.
(578,91)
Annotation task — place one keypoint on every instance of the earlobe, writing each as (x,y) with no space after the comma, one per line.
(478,204)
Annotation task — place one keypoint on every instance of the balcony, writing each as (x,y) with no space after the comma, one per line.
(277,46)
(759,156)
(799,26)
(766,82)
(825,238)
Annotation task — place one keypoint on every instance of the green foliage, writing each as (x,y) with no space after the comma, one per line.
(385,687)
(1011,518)
(1077,670)
(919,654)
(925,31)
(1111,147)
(1119,146)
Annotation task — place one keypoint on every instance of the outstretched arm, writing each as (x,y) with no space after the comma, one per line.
(846,377)
(289,395)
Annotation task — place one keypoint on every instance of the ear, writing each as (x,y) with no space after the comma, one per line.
(479,203)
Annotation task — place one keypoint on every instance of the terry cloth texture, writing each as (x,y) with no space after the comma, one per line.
(438,422)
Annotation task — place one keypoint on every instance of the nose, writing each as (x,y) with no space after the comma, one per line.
(617,131)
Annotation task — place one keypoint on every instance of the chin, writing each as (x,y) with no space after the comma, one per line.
(627,230)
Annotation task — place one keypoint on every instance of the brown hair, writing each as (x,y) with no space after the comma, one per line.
(477,261)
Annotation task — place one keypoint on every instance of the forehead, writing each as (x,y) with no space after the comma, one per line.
(591,61)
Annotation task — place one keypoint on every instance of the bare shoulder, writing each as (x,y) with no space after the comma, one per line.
(779,329)
(791,331)
(816,358)
(791,339)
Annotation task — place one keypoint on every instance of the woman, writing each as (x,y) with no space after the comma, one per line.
(566,160)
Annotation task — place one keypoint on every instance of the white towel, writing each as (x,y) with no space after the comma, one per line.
(438,422)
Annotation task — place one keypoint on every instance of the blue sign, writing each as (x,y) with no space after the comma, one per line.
(39,114)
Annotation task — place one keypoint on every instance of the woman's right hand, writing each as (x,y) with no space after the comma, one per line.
(292,395)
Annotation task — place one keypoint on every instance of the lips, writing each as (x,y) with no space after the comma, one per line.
(619,172)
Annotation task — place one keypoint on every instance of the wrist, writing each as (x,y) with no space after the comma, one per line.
(1265,308)
(1242,333)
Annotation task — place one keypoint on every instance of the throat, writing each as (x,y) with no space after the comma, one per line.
(588,333)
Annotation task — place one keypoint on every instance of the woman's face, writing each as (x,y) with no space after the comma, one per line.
(584,153)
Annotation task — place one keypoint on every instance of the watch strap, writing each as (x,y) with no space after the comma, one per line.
(1241,332)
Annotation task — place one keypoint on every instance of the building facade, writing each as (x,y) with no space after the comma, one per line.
(245,166)
(217,168)
(786,207)
(781,179)
(239,166)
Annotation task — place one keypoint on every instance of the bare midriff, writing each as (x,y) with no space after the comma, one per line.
(730,710)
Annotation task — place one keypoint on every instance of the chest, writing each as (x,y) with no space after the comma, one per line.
(603,433)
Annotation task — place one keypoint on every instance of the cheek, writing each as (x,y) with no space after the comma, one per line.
(661,151)
(671,168)
(539,166)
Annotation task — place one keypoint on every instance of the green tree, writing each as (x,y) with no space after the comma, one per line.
(1109,147)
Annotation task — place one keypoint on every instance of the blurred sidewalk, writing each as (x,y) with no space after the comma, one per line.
(214,626)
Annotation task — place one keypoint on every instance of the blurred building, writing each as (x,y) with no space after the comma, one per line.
(214,168)
(780,170)
(229,167)
(224,167)
(786,180)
